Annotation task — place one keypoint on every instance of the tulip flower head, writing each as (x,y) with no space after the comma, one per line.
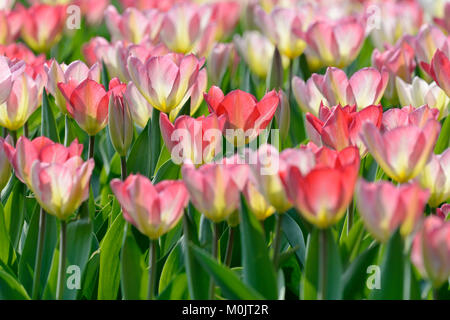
(40,149)
(197,139)
(245,116)
(10,25)
(152,209)
(439,69)
(120,123)
(256,202)
(5,166)
(431,250)
(398,117)
(322,192)
(223,56)
(61,187)
(140,109)
(403,151)
(339,127)
(444,211)
(10,71)
(385,207)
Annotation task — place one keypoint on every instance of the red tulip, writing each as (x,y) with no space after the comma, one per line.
(439,69)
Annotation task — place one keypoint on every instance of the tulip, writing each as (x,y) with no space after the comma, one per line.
(283,26)
(197,139)
(186,29)
(72,75)
(396,18)
(39,36)
(283,115)
(22,102)
(133,25)
(444,211)
(140,109)
(89,49)
(439,70)
(334,44)
(267,167)
(385,207)
(435,177)
(7,4)
(222,57)
(403,151)
(153,209)
(10,25)
(165,81)
(443,22)
(256,202)
(399,61)
(245,116)
(427,41)
(321,193)
(9,71)
(225,15)
(364,88)
(40,149)
(214,188)
(419,93)
(257,51)
(408,115)
(339,127)
(92,10)
(88,105)
(431,251)
(61,187)
(120,124)
(5,166)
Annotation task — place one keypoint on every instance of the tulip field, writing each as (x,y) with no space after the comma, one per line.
(224,150)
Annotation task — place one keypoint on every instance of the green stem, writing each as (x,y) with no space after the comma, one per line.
(25,129)
(40,250)
(5,132)
(91,147)
(277,240)
(291,71)
(230,243)
(214,254)
(435,293)
(350,213)
(66,130)
(152,270)
(13,134)
(123,167)
(322,265)
(62,261)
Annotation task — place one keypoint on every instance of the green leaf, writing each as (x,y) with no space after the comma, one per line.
(392,271)
(109,276)
(198,279)
(48,124)
(274,79)
(10,288)
(15,213)
(7,253)
(104,76)
(354,278)
(155,141)
(177,289)
(443,141)
(173,266)
(294,235)
(350,244)
(168,171)
(138,161)
(255,255)
(322,274)
(133,269)
(226,279)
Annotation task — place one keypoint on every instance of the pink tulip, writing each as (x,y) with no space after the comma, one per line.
(152,209)
(34,65)
(431,251)
(88,104)
(225,15)
(10,25)
(141,110)
(439,69)
(245,116)
(41,36)
(334,44)
(323,192)
(23,100)
(40,149)
(61,187)
(408,115)
(72,75)
(398,60)
(223,57)
(257,204)
(149,4)
(197,139)
(133,25)
(364,88)
(444,211)
(93,10)
(339,127)
(268,166)
(443,22)
(385,207)
(435,177)
(166,81)
(89,49)
(214,188)
(427,41)
(5,166)
(403,151)
(9,71)
(120,123)
(283,26)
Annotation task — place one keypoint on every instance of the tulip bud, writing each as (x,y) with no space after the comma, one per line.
(275,77)
(283,115)
(431,250)
(120,124)
(256,202)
